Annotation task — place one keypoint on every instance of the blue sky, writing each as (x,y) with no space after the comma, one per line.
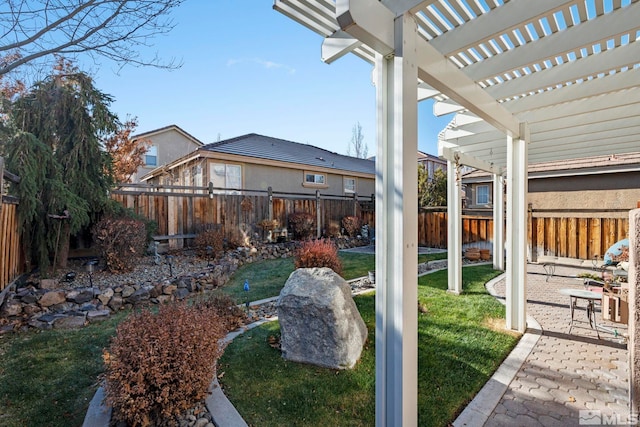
(249,69)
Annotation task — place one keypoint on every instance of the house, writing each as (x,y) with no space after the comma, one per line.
(166,144)
(605,182)
(257,162)
(431,163)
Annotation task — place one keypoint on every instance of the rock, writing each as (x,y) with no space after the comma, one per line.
(141,294)
(319,321)
(80,296)
(48,284)
(163,299)
(169,289)
(155,291)
(127,291)
(181,293)
(52,298)
(115,303)
(69,322)
(98,315)
(10,308)
(105,296)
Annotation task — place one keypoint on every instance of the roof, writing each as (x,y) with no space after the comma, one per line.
(583,166)
(167,128)
(269,148)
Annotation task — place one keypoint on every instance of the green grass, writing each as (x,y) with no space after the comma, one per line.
(266,278)
(459,349)
(47,378)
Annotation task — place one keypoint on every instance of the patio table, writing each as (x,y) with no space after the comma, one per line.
(590,297)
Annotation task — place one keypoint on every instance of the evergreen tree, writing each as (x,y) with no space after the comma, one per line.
(432,192)
(55,149)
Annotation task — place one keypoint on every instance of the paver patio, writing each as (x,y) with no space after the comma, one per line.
(565,373)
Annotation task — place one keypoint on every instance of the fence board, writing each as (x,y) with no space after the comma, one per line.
(11,265)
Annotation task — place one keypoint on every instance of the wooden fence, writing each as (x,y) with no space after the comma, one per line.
(10,254)
(572,237)
(182,211)
(433,228)
(551,233)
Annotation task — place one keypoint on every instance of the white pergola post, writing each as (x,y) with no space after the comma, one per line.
(517,187)
(498,222)
(396,238)
(454,224)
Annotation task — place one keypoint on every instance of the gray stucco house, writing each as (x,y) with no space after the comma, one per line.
(257,162)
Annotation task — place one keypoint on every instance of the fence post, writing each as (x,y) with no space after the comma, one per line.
(318,215)
(355,204)
(270,190)
(533,257)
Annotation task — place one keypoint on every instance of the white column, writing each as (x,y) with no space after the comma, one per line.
(516,292)
(396,236)
(454,224)
(498,222)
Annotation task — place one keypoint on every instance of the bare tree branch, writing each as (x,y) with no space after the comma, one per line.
(114,29)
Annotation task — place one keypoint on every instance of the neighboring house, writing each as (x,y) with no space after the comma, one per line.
(431,163)
(257,162)
(603,182)
(167,144)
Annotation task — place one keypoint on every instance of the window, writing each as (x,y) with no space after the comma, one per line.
(197,176)
(151,156)
(314,178)
(349,185)
(223,175)
(482,194)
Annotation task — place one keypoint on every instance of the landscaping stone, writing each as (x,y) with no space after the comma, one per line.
(81,296)
(127,291)
(69,322)
(97,315)
(11,308)
(319,321)
(48,284)
(52,298)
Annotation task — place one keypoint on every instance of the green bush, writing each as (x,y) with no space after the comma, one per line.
(318,253)
(158,366)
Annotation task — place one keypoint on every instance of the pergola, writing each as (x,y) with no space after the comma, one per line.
(528,81)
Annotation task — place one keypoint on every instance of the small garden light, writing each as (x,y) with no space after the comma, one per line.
(209,250)
(90,267)
(246,289)
(169,259)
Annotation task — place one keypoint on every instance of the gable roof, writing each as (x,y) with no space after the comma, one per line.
(177,128)
(269,148)
(583,166)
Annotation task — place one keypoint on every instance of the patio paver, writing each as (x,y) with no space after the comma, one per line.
(564,373)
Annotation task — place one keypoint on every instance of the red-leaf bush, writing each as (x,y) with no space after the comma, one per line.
(318,253)
(333,229)
(302,225)
(209,238)
(231,316)
(351,225)
(121,241)
(158,366)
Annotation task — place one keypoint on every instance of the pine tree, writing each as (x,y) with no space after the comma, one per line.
(56,151)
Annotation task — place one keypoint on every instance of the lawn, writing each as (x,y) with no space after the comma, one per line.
(49,377)
(266,278)
(459,349)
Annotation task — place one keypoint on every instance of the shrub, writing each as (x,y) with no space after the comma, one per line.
(302,224)
(333,229)
(158,366)
(318,253)
(231,316)
(213,238)
(351,225)
(121,241)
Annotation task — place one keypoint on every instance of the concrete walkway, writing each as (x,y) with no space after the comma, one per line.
(566,379)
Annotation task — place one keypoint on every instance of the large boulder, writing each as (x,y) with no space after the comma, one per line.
(319,322)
